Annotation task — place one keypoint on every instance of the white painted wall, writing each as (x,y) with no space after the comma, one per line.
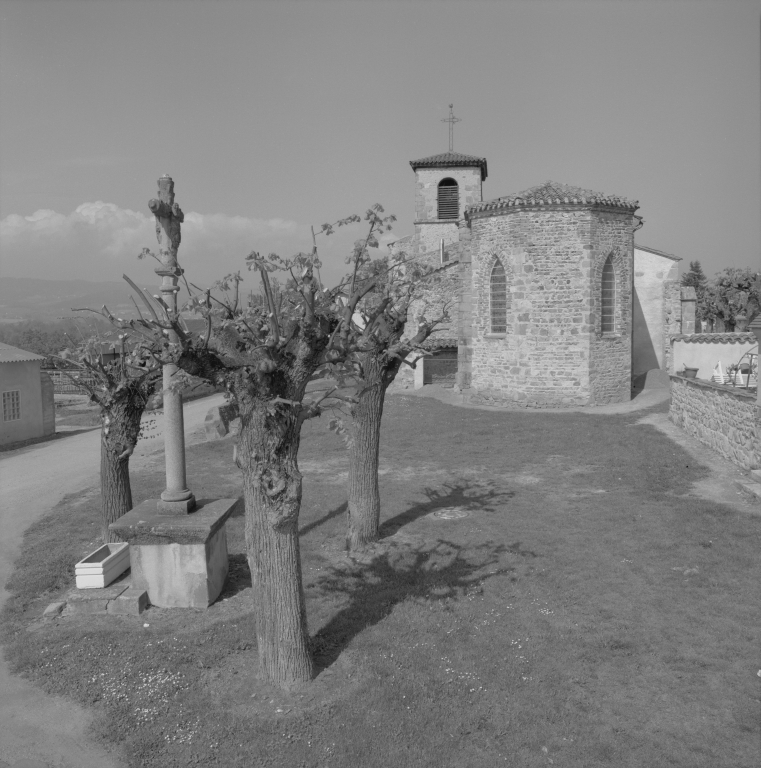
(704,355)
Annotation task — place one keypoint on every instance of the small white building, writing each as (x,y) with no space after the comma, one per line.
(27,396)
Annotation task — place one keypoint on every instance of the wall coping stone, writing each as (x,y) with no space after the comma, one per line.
(715,338)
(703,384)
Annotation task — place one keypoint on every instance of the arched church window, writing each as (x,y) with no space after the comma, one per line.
(608,297)
(498,299)
(448,199)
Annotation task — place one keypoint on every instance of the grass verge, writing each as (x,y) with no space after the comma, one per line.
(548,591)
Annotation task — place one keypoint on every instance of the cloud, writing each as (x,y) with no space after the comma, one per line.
(100,241)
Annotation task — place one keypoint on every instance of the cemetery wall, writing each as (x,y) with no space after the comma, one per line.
(720,417)
(704,350)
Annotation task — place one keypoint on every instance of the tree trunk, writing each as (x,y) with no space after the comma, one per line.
(268,444)
(121,426)
(115,489)
(364,494)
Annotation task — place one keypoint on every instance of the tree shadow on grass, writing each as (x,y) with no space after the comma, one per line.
(340,509)
(461,498)
(238,576)
(399,571)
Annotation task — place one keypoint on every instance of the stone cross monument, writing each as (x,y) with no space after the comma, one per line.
(176,499)
(179,559)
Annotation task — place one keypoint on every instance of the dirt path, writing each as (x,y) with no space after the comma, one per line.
(37,729)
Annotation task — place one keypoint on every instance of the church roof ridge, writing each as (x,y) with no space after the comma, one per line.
(554,193)
(451,160)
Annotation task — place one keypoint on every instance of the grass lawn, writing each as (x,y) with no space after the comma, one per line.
(548,592)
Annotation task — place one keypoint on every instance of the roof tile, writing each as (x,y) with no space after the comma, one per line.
(553,193)
(9,354)
(716,338)
(451,160)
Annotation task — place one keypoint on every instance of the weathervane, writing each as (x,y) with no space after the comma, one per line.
(451,120)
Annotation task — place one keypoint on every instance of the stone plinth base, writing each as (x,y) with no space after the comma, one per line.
(180,561)
(184,507)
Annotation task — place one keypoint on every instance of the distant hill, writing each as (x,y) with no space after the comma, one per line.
(25,298)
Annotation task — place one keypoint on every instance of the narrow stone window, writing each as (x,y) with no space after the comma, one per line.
(11,406)
(448,199)
(608,298)
(498,298)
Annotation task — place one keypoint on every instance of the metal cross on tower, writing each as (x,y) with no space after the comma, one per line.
(451,120)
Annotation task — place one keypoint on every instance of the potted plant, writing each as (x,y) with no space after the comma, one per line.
(690,373)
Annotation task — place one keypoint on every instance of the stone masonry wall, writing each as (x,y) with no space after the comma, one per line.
(672,319)
(435,294)
(543,358)
(610,364)
(465,311)
(720,417)
(428,237)
(427,186)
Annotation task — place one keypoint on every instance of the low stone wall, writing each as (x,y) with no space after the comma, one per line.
(721,417)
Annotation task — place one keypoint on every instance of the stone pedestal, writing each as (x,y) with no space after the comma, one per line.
(180,560)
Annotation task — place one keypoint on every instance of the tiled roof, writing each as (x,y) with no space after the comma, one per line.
(716,338)
(552,193)
(435,342)
(9,354)
(639,247)
(451,160)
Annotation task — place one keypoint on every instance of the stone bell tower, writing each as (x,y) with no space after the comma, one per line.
(445,185)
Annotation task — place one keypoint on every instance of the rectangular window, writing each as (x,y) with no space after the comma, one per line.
(11,405)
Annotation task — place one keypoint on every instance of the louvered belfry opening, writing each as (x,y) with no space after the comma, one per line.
(608,298)
(449,199)
(498,299)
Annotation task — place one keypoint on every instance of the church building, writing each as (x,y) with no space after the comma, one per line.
(550,302)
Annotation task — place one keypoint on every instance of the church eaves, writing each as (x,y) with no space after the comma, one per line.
(451,160)
(552,193)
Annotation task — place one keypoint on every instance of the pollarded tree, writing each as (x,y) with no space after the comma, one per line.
(372,333)
(265,357)
(121,389)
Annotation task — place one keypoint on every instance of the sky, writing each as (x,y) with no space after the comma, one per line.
(273,117)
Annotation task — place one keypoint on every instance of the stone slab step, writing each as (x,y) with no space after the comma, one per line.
(132,602)
(92,600)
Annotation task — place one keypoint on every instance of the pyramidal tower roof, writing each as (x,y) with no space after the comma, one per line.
(553,193)
(451,160)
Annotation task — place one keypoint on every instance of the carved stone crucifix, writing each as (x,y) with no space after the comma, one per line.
(176,498)
(169,217)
